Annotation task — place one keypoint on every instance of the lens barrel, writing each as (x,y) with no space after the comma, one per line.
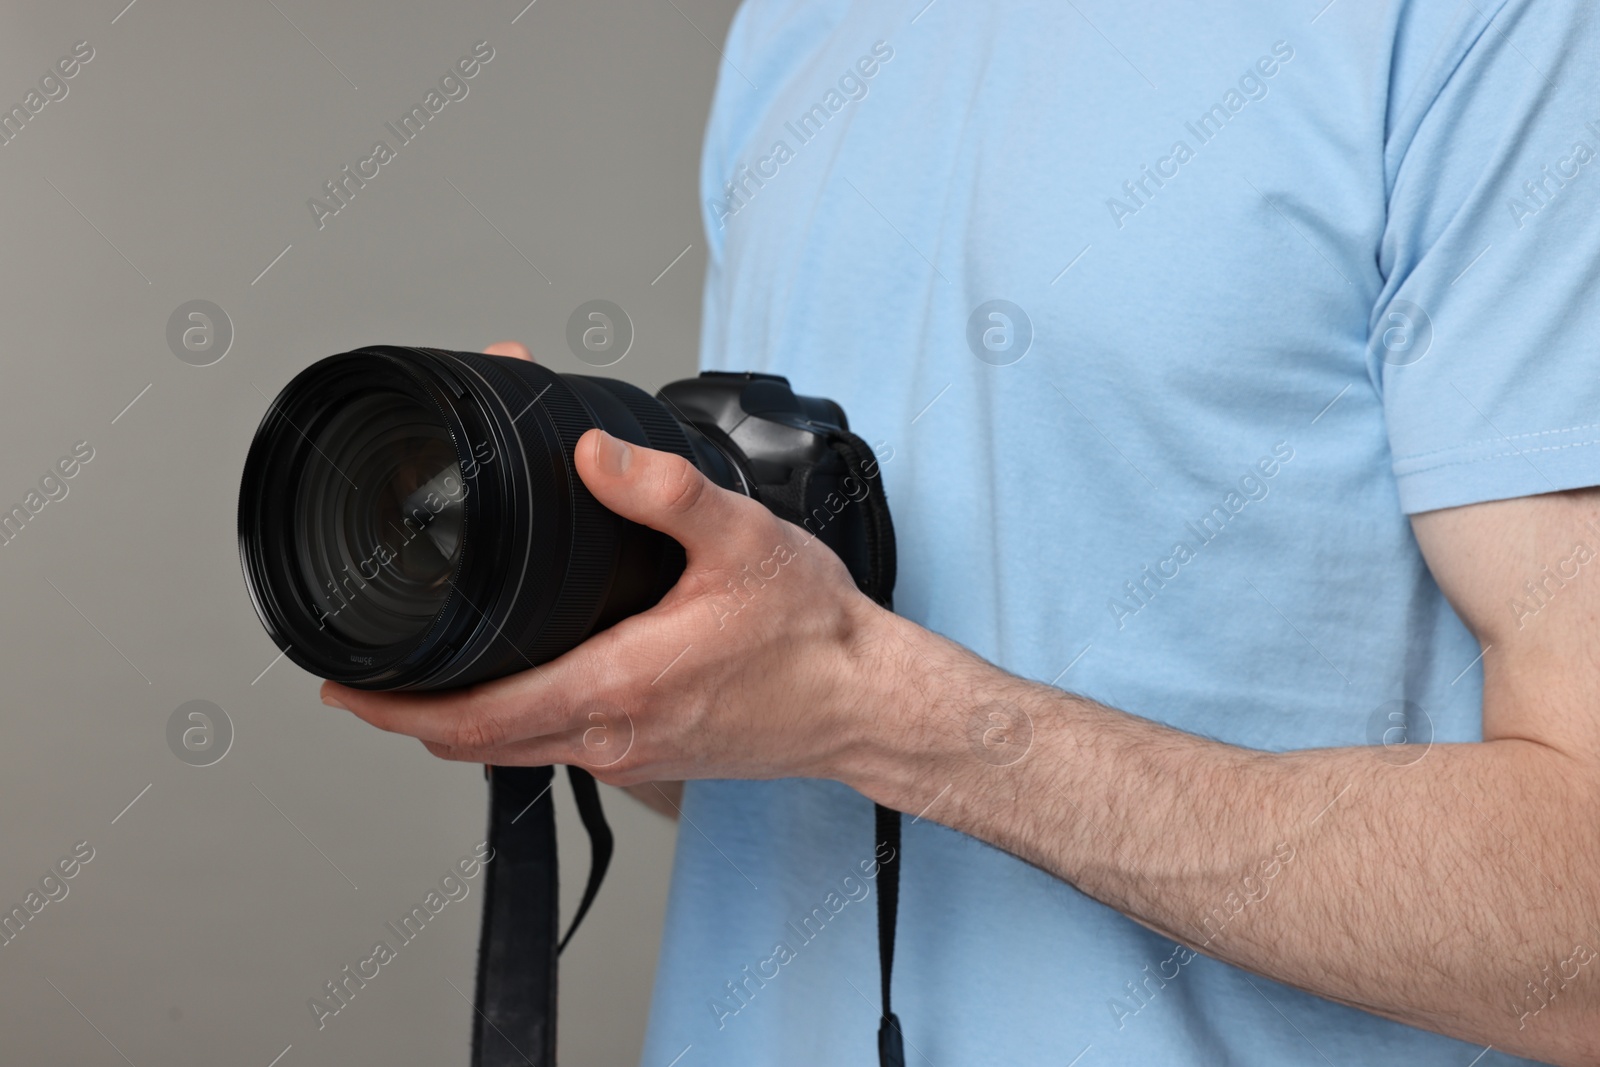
(410,518)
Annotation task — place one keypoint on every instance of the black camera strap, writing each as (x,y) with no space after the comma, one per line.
(587,794)
(879,585)
(515,1020)
(515,1023)
(790,502)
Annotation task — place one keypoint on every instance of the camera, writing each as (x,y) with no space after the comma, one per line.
(411,518)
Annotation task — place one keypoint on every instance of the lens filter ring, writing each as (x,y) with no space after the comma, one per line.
(351,565)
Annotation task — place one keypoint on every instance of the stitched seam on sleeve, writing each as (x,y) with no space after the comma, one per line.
(1491,440)
(1496,455)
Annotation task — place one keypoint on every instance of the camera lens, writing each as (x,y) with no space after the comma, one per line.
(412,519)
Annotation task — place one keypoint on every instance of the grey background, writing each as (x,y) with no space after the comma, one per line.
(191,142)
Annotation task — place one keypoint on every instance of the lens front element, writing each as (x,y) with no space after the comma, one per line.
(377,527)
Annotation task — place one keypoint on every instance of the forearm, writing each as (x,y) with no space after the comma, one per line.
(1458,893)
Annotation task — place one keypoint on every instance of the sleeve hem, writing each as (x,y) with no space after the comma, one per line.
(1498,470)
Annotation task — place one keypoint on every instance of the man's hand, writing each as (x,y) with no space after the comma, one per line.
(665,798)
(750,667)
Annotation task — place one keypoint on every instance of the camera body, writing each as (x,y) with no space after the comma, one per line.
(782,448)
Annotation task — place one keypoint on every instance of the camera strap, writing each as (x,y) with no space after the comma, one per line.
(789,501)
(514,1024)
(515,1006)
(879,585)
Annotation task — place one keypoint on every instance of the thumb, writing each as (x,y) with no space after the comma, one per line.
(664,492)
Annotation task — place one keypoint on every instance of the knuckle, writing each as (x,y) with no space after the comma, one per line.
(443,751)
(477,728)
(615,776)
(684,486)
(377,714)
(613,769)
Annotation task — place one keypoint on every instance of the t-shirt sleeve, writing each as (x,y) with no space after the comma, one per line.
(1486,339)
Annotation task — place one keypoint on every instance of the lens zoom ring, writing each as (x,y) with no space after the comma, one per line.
(663,431)
(593,544)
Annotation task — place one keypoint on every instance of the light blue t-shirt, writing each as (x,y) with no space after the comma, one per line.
(1166,317)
